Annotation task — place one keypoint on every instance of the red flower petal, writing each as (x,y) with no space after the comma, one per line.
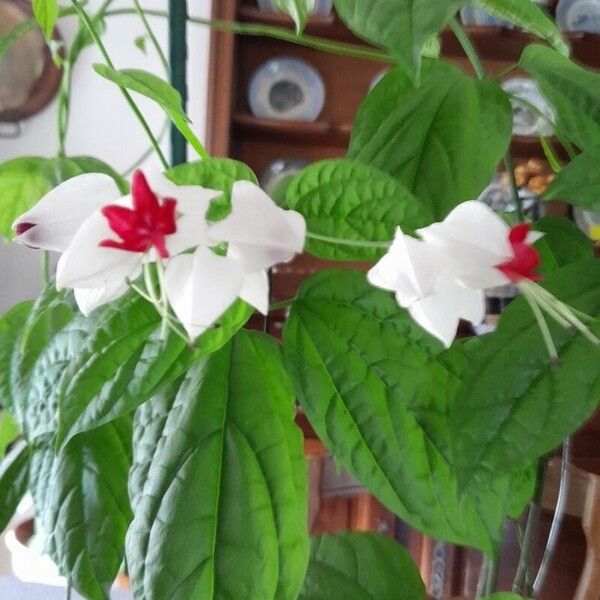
(526,259)
(144,226)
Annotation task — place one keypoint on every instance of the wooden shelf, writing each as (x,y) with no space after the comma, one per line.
(315,132)
(501,44)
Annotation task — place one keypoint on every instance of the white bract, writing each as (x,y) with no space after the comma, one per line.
(108,241)
(441,277)
(259,235)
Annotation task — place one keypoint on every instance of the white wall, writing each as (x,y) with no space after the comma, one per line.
(101,124)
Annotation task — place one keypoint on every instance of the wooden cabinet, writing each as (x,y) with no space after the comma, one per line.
(233,131)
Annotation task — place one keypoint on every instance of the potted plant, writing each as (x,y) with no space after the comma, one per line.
(155,427)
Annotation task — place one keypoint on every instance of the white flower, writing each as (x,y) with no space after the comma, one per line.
(202,286)
(481,250)
(419,275)
(52,223)
(106,239)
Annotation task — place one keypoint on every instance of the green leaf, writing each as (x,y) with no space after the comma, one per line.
(46,13)
(140,43)
(422,137)
(11,327)
(515,405)
(352,201)
(23,181)
(579,182)
(222,512)
(14,478)
(529,16)
(22,184)
(376,388)
(297,9)
(150,367)
(87,511)
(401,26)
(572,90)
(118,334)
(157,89)
(9,431)
(563,243)
(360,566)
(89,164)
(215,174)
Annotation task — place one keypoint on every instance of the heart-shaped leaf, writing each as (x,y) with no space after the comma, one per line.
(377,390)
(355,202)
(422,137)
(360,566)
(219,482)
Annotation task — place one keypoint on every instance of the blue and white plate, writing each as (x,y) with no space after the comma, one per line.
(322,7)
(526,121)
(280,172)
(579,15)
(498,196)
(471,15)
(287,89)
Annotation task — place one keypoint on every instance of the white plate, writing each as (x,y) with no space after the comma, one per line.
(322,7)
(288,89)
(525,121)
(578,15)
(471,15)
(588,222)
(280,170)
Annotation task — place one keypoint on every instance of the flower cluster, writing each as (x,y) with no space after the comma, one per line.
(160,232)
(441,277)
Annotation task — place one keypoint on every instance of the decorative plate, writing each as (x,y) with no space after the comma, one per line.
(579,15)
(322,7)
(588,222)
(286,88)
(278,175)
(526,121)
(498,196)
(471,15)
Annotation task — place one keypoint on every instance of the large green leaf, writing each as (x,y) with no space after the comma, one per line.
(116,340)
(377,389)
(85,507)
(221,506)
(401,26)
(9,431)
(579,182)
(563,243)
(528,15)
(90,164)
(423,137)
(22,184)
(355,202)
(14,477)
(515,404)
(157,89)
(149,367)
(504,596)
(360,566)
(46,13)
(216,174)
(11,328)
(572,90)
(297,9)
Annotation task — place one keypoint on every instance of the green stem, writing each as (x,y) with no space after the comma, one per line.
(491,580)
(468,48)
(257,29)
(345,242)
(282,304)
(136,111)
(46,275)
(473,57)
(520,585)
(161,55)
